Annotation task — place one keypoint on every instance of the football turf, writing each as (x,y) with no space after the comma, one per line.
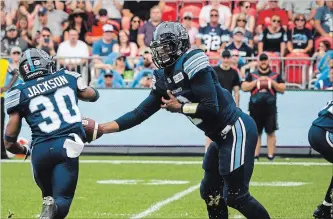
(165,187)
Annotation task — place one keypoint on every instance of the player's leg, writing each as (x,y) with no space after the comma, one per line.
(2,115)
(270,127)
(260,127)
(322,141)
(243,139)
(211,188)
(208,141)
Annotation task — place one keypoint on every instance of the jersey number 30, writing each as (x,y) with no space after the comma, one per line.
(51,118)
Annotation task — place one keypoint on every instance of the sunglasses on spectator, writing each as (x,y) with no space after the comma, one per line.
(276,21)
(188,18)
(241,20)
(298,19)
(226,57)
(108,76)
(135,21)
(16,53)
(214,15)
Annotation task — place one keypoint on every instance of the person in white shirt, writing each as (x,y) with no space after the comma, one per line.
(191,30)
(73,53)
(224,12)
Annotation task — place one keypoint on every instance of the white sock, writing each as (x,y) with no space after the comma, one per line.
(325,203)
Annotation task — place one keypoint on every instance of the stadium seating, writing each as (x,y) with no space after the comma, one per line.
(196,3)
(275,62)
(195,10)
(297,69)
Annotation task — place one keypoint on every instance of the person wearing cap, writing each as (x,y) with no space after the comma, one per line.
(191,30)
(11,40)
(264,86)
(224,12)
(146,80)
(97,30)
(241,21)
(108,80)
(212,37)
(103,46)
(78,20)
(238,46)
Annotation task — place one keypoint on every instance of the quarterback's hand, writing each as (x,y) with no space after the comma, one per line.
(27,150)
(172,104)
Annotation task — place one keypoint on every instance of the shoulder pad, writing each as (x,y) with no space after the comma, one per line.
(12,99)
(195,61)
(72,73)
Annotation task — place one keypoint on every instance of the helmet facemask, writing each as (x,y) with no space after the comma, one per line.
(164,53)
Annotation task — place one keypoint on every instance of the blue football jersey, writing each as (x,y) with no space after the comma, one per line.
(213,37)
(325,118)
(49,105)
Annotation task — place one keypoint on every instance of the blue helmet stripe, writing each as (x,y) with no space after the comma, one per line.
(32,67)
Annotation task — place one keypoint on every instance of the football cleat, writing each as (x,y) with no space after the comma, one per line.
(49,209)
(322,212)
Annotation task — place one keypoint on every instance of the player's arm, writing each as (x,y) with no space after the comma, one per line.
(146,109)
(12,81)
(13,129)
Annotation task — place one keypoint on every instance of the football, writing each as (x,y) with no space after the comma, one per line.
(92,128)
(264,84)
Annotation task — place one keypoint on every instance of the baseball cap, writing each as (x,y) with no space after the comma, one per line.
(108,73)
(147,74)
(103,12)
(188,14)
(15,49)
(42,11)
(226,54)
(263,57)
(239,30)
(11,27)
(108,28)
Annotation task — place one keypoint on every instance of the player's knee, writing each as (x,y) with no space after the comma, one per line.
(63,204)
(237,199)
(211,158)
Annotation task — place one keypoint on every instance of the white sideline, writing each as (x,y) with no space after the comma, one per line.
(176,162)
(160,204)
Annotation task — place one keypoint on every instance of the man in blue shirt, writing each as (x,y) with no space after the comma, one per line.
(103,47)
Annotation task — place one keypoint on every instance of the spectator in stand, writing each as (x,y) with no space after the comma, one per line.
(24,31)
(324,20)
(113,8)
(46,43)
(187,23)
(73,53)
(124,46)
(97,29)
(244,15)
(134,29)
(11,40)
(241,22)
(39,23)
(10,8)
(121,68)
(108,81)
(146,66)
(262,106)
(323,66)
(273,38)
(77,20)
(213,38)
(138,8)
(3,21)
(146,80)
(266,16)
(300,7)
(15,54)
(85,6)
(103,47)
(327,83)
(324,46)
(238,46)
(300,38)
(29,9)
(223,11)
(145,35)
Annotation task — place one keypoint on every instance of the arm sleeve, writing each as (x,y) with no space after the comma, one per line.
(204,90)
(318,14)
(12,101)
(146,109)
(96,48)
(142,30)
(236,81)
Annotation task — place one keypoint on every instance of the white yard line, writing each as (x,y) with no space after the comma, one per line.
(160,204)
(176,162)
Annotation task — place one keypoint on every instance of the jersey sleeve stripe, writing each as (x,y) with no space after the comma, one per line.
(192,61)
(12,99)
(72,73)
(197,69)
(12,93)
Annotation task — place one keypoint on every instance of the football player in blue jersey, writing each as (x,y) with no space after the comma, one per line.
(48,101)
(185,83)
(321,140)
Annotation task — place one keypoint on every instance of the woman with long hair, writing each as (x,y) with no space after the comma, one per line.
(29,9)
(244,7)
(242,22)
(134,28)
(125,47)
(77,20)
(23,30)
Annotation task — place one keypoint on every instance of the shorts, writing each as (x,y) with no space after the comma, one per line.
(265,121)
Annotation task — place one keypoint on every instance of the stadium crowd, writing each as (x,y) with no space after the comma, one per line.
(109,39)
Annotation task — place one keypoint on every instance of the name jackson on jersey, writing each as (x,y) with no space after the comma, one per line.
(47,85)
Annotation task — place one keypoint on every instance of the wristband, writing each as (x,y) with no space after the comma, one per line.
(190,108)
(97,95)
(10,139)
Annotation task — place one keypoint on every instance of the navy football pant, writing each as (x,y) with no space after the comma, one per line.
(322,141)
(55,173)
(228,165)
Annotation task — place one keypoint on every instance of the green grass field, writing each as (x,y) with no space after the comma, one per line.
(145,187)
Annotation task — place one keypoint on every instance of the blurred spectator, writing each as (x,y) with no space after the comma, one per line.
(262,106)
(146,66)
(85,6)
(24,30)
(300,7)
(124,46)
(238,46)
(266,16)
(213,38)
(97,28)
(191,30)
(146,80)
(6,17)
(134,29)
(15,54)
(223,11)
(242,22)
(108,81)
(103,47)
(273,38)
(324,46)
(29,9)
(138,8)
(300,38)
(249,20)
(12,39)
(145,35)
(113,8)
(227,76)
(121,68)
(324,64)
(324,19)
(11,7)
(77,20)
(327,83)
(73,52)
(39,23)
(46,43)
(2,21)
